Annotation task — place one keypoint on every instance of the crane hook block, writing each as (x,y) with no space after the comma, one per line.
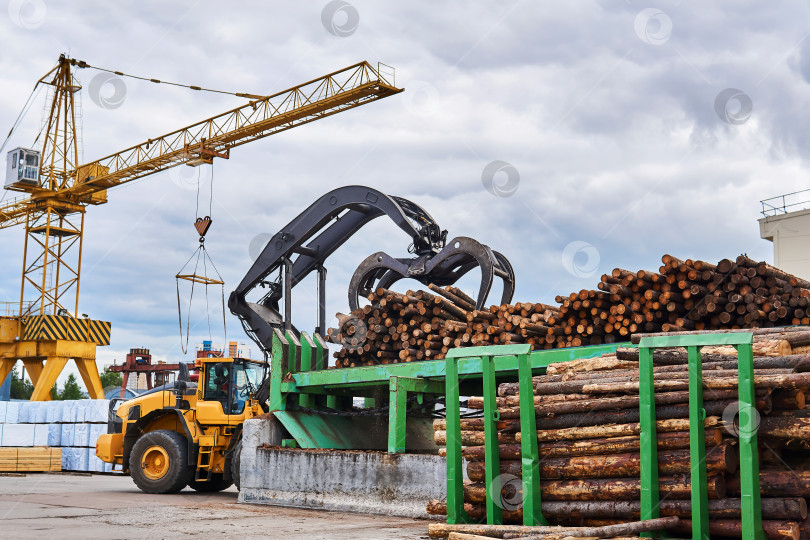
(202,225)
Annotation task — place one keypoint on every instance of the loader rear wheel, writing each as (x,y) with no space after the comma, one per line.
(216,483)
(158,463)
(236,462)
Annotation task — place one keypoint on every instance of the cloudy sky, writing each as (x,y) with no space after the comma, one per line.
(623,131)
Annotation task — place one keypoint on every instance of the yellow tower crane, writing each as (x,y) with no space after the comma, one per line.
(40,329)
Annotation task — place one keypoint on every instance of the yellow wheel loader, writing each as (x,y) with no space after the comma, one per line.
(186,434)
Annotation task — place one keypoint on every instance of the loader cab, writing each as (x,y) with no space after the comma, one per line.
(227,385)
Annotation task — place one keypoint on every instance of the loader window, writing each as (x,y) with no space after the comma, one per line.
(230,385)
(217,383)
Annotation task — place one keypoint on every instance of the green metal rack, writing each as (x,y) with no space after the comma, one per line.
(504,359)
(749,458)
(299,377)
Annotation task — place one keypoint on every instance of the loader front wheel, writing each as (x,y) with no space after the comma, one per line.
(158,463)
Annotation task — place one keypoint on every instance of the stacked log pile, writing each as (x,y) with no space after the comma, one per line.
(588,435)
(682,295)
(422,325)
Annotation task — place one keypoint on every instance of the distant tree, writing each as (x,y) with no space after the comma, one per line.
(20,387)
(110,378)
(54,392)
(71,390)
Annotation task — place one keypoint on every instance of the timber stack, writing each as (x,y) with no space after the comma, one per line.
(422,325)
(682,295)
(587,414)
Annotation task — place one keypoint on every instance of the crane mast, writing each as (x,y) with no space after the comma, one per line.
(43,332)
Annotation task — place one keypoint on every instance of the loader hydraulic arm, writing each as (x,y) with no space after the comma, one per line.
(303,245)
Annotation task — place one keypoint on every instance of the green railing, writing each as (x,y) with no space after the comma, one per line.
(495,359)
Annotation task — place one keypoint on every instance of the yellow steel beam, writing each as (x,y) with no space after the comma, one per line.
(47,377)
(89,372)
(6,365)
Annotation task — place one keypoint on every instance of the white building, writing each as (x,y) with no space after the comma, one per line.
(787,225)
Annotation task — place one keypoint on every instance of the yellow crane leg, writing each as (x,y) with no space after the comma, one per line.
(6,365)
(34,368)
(47,377)
(89,372)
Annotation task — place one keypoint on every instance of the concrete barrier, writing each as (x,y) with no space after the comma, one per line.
(341,480)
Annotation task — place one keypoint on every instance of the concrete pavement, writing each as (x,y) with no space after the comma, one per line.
(68,506)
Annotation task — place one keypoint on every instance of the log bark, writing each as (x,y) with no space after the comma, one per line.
(617,489)
(443,530)
(615,430)
(626,416)
(469,438)
(617,403)
(762,380)
(610,445)
(776,483)
(733,528)
(719,459)
(785,427)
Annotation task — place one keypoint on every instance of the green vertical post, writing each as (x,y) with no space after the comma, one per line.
(294,352)
(307,350)
(492,465)
(396,415)
(321,353)
(649,436)
(455,474)
(530,458)
(697,446)
(278,364)
(749,457)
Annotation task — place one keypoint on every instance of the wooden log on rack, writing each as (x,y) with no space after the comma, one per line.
(588,447)
(443,530)
(792,508)
(594,489)
(719,459)
(776,529)
(615,430)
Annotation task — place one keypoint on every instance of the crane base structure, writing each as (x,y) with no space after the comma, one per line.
(45,344)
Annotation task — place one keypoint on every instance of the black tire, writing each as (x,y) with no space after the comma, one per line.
(147,462)
(216,483)
(236,462)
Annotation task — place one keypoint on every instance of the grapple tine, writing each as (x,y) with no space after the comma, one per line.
(446,267)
